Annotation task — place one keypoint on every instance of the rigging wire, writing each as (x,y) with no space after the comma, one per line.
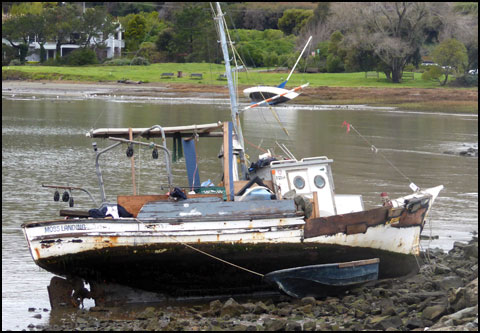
(205,253)
(272,110)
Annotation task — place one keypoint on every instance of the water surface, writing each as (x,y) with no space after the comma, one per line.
(44,142)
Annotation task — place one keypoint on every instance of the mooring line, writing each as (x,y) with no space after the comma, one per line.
(375,150)
(205,253)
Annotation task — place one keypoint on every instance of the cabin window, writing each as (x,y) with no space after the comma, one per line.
(319,181)
(299,182)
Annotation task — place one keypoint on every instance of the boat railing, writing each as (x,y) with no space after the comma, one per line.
(168,157)
(152,145)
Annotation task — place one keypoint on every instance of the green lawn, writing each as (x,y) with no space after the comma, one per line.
(211,72)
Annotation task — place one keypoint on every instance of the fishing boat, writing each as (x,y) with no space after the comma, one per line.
(276,95)
(276,214)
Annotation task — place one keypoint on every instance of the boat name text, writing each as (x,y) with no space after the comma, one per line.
(67,227)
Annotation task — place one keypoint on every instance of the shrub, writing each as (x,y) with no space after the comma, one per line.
(53,62)
(81,56)
(433,73)
(140,61)
(15,62)
(270,59)
(334,64)
(118,62)
(466,80)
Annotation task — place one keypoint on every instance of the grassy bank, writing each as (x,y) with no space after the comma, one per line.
(325,88)
(210,72)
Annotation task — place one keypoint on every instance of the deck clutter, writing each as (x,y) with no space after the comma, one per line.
(255,226)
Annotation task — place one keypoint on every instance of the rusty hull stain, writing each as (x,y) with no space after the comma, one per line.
(359,222)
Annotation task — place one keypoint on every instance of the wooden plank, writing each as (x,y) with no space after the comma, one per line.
(358,263)
(316,208)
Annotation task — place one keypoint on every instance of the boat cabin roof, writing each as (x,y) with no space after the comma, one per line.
(308,161)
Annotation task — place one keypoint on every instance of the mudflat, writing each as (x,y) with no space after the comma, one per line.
(437,99)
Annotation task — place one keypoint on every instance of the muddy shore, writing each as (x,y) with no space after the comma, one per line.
(443,296)
(441,99)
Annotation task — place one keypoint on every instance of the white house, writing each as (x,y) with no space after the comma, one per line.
(114,45)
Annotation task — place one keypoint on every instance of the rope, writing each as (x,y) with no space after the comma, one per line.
(375,150)
(207,254)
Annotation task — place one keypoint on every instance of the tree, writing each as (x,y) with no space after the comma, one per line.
(166,43)
(195,33)
(135,32)
(293,20)
(336,53)
(393,30)
(17,31)
(451,55)
(96,25)
(63,22)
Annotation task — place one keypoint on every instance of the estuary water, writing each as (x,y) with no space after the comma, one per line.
(44,142)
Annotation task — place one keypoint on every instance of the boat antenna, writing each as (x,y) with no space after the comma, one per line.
(231,88)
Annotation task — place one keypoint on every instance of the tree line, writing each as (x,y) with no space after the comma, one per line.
(390,37)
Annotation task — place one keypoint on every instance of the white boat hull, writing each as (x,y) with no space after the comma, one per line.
(260,93)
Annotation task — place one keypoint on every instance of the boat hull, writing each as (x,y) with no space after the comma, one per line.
(177,270)
(258,94)
(161,262)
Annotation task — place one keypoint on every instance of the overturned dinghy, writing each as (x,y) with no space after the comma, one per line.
(323,280)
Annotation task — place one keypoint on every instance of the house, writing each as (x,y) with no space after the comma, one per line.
(114,45)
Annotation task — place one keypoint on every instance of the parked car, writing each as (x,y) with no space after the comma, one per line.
(473,71)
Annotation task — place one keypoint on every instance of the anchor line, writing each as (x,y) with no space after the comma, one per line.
(375,150)
(207,254)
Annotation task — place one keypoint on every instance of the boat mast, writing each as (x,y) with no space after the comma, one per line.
(283,84)
(231,88)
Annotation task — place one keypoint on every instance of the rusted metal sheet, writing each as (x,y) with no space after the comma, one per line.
(332,225)
(356,228)
(199,211)
(414,213)
(411,219)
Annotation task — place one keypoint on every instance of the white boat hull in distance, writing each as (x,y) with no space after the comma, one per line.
(260,93)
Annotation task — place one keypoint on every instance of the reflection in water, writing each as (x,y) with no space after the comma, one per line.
(43,142)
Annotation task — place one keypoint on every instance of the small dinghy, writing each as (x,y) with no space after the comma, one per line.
(322,280)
